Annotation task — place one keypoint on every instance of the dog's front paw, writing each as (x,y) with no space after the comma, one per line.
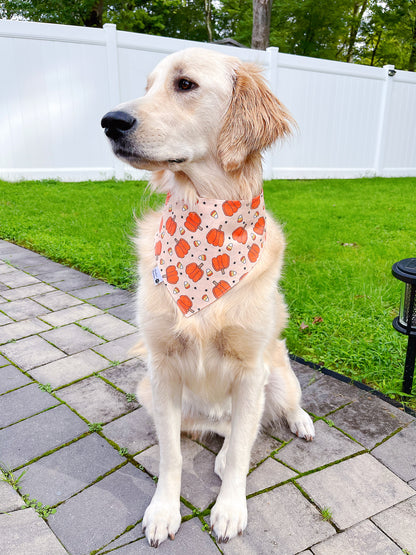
(301,425)
(229,517)
(160,521)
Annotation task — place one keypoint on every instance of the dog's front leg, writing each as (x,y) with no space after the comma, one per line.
(162,517)
(229,514)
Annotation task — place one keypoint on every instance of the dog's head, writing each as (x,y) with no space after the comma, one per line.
(199,106)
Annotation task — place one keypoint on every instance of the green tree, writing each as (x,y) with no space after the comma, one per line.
(309,27)
(70,12)
(388,34)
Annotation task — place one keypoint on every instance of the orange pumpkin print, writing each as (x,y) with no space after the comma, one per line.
(253,252)
(171,274)
(259,226)
(193,222)
(230,207)
(215,237)
(219,263)
(184,303)
(158,248)
(255,202)
(220,288)
(160,225)
(240,235)
(171,225)
(194,271)
(182,248)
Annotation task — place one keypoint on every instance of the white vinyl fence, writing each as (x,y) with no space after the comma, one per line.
(57,81)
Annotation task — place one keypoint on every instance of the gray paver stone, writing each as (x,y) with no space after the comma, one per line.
(4,319)
(200,486)
(72,339)
(117,298)
(98,514)
(23,257)
(5,268)
(71,315)
(268,474)
(31,352)
(36,264)
(109,326)
(98,290)
(126,376)
(281,522)
(17,278)
(26,440)
(119,349)
(70,368)
(55,274)
(263,446)
(399,523)
(19,330)
(27,291)
(362,538)
(57,300)
(11,378)
(135,431)
(23,532)
(190,539)
(60,475)
(22,403)
(3,361)
(412,483)
(76,282)
(399,453)
(370,420)
(355,489)
(305,375)
(10,500)
(328,394)
(125,312)
(23,309)
(328,446)
(96,400)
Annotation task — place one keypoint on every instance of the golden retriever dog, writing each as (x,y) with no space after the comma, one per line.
(219,367)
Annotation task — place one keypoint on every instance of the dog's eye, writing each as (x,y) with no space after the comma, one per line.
(185,85)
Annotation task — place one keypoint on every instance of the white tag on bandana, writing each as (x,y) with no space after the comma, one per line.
(204,250)
(157,276)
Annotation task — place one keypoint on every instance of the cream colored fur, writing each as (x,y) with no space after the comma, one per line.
(224,369)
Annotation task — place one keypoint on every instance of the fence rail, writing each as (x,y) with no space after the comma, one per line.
(57,81)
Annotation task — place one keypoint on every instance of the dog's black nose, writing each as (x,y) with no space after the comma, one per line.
(115,124)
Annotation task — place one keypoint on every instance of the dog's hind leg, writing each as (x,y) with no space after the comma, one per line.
(283,396)
(220,427)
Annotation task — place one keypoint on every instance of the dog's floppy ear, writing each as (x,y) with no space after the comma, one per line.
(254,120)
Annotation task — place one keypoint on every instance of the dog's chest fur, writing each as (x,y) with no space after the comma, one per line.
(212,349)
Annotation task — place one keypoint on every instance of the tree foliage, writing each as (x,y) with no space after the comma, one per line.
(374,32)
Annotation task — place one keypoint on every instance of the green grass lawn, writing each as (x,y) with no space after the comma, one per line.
(342,238)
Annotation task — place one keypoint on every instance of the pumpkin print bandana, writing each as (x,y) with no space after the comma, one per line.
(204,250)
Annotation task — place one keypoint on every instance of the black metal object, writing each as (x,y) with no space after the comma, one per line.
(405,323)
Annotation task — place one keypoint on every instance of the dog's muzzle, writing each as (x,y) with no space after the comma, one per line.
(117,124)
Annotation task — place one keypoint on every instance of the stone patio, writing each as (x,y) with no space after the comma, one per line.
(88,449)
